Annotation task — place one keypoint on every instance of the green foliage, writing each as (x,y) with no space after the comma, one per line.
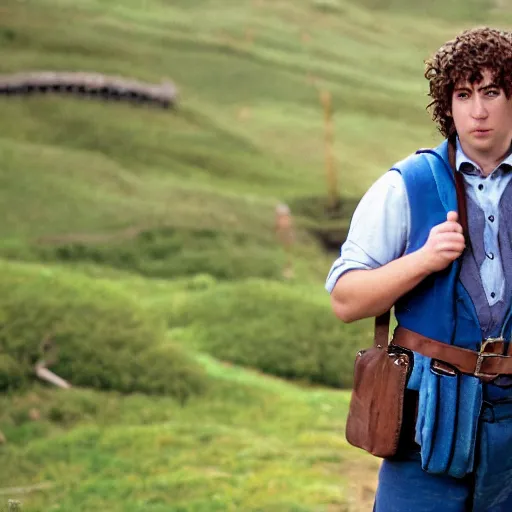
(171,252)
(12,373)
(329,224)
(280,329)
(99,337)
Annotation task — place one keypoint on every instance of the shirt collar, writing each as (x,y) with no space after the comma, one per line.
(467,166)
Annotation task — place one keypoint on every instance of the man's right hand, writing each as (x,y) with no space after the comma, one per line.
(366,293)
(445,244)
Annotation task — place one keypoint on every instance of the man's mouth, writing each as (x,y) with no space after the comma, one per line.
(481,132)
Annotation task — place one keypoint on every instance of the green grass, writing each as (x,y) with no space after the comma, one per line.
(283,330)
(90,334)
(172,212)
(248,129)
(249,121)
(241,449)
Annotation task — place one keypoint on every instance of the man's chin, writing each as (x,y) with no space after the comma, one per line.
(480,143)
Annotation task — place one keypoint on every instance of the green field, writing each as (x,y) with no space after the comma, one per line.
(140,242)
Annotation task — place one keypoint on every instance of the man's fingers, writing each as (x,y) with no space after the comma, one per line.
(448,236)
(448,226)
(445,248)
(452,216)
(449,242)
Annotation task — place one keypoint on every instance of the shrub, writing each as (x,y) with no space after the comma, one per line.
(11,373)
(285,330)
(170,252)
(103,339)
(329,224)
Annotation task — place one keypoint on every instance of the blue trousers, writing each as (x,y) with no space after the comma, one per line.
(405,487)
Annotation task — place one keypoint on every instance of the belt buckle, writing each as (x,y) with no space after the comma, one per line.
(482,355)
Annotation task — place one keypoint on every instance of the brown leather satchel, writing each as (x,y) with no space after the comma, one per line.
(376,409)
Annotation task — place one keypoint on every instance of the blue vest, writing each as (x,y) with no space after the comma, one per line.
(441,308)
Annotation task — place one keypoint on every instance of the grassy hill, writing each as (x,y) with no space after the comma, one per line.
(249,444)
(248,130)
(168,216)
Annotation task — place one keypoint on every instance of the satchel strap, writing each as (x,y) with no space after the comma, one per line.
(381,338)
(382,322)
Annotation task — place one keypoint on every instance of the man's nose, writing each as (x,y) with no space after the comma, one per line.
(478,110)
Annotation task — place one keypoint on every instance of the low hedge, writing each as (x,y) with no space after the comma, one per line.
(169,253)
(101,338)
(285,330)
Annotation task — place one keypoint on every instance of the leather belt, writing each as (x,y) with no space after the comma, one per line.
(486,364)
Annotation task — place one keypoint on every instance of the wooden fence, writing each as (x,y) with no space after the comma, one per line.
(89,84)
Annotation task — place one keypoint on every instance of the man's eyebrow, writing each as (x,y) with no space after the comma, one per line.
(461,88)
(488,86)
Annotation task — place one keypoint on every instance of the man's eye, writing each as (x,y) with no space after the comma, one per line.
(493,93)
(462,95)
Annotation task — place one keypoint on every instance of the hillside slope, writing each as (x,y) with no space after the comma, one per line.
(172,211)
(248,131)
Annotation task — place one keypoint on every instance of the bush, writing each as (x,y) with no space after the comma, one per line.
(11,373)
(285,330)
(170,252)
(103,339)
(328,223)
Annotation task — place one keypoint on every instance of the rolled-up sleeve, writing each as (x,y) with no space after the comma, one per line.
(379,229)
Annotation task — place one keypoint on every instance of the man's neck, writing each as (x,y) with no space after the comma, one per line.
(487,161)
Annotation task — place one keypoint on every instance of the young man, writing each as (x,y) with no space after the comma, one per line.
(406,248)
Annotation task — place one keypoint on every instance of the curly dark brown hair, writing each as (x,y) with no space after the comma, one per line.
(463,59)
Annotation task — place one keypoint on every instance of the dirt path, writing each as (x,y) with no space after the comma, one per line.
(361,477)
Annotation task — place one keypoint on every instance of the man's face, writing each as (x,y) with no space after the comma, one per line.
(483,116)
